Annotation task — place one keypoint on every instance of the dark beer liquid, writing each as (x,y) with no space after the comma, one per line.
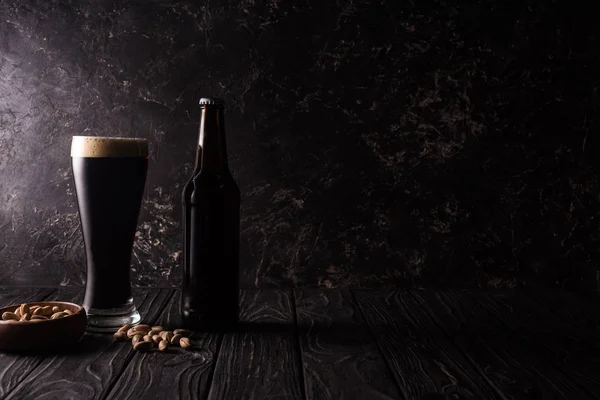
(109,194)
(211,212)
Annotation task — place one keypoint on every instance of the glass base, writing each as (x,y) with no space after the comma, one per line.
(111,319)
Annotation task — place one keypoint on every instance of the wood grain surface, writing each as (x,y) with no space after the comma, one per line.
(582,312)
(173,374)
(14,367)
(424,362)
(509,364)
(340,357)
(574,351)
(88,371)
(261,361)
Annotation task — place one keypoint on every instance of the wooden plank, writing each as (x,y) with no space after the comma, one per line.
(14,367)
(423,361)
(173,374)
(340,357)
(574,351)
(10,295)
(581,312)
(89,370)
(260,361)
(510,365)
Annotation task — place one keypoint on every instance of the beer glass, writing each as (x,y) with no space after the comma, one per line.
(110,175)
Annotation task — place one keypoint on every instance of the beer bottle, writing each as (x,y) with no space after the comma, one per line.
(211,230)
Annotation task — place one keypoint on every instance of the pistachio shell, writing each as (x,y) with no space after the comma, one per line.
(143,346)
(162,346)
(6,316)
(124,328)
(185,343)
(156,329)
(183,332)
(141,328)
(136,339)
(120,336)
(175,339)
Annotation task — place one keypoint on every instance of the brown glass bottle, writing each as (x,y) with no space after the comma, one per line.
(211,230)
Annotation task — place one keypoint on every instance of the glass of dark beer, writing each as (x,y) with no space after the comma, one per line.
(110,175)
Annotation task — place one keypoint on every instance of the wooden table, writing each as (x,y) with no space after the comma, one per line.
(333,344)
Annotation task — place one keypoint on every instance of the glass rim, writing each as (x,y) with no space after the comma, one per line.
(108,147)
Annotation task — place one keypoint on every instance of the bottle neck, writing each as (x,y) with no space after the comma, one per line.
(212,147)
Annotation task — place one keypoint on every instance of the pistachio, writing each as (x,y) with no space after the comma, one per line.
(47,311)
(120,336)
(38,311)
(143,346)
(184,343)
(156,329)
(55,309)
(131,333)
(175,339)
(162,346)
(156,339)
(58,315)
(166,335)
(33,308)
(136,339)
(148,338)
(6,316)
(67,311)
(25,317)
(124,328)
(141,328)
(183,332)
(24,309)
(38,318)
(18,312)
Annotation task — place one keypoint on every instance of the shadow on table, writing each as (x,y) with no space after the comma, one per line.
(89,343)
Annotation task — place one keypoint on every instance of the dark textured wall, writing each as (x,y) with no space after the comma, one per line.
(425,143)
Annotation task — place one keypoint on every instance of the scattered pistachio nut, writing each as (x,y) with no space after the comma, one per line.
(175,339)
(156,339)
(120,336)
(166,335)
(124,328)
(6,316)
(156,329)
(136,339)
(185,343)
(141,328)
(148,338)
(162,346)
(131,333)
(183,332)
(143,346)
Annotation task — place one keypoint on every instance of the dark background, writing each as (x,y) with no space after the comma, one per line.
(420,144)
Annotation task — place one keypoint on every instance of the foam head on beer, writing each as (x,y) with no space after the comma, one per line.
(108,147)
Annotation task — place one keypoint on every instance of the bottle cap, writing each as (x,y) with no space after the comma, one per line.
(211,101)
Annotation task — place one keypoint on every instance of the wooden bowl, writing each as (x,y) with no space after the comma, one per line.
(43,335)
